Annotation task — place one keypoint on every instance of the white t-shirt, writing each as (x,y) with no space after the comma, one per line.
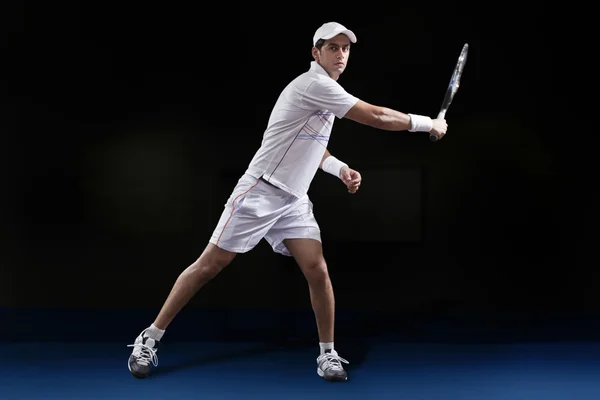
(298,130)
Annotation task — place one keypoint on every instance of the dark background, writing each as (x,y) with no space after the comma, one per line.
(125,128)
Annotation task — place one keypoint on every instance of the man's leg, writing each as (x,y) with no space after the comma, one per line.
(206,267)
(308,253)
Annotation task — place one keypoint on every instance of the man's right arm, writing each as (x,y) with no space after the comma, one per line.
(392,120)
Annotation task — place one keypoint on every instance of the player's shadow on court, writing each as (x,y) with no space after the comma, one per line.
(355,351)
(214,358)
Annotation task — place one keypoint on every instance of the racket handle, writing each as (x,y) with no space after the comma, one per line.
(441,115)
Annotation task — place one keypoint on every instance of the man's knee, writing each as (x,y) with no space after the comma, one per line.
(309,256)
(212,261)
(316,270)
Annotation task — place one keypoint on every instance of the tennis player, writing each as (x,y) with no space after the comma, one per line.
(270,199)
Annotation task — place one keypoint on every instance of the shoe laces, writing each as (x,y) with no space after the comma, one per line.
(332,361)
(144,354)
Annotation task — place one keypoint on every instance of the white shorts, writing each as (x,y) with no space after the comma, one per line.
(257,210)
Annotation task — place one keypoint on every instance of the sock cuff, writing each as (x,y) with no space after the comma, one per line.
(325,346)
(154,333)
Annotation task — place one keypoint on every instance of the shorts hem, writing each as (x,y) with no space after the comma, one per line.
(238,250)
(281,248)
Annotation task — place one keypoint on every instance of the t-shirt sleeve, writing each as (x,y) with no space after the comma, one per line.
(328,95)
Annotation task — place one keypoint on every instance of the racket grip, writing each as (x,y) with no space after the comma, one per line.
(441,115)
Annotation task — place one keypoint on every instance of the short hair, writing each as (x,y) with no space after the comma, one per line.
(320,43)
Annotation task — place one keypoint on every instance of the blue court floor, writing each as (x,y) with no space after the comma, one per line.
(236,370)
(257,354)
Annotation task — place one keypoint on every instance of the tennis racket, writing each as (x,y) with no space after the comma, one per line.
(453,86)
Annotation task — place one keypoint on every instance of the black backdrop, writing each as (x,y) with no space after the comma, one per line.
(125,128)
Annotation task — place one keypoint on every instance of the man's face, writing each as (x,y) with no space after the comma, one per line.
(333,56)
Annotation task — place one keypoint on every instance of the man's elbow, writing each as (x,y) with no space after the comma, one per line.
(378,118)
(368,114)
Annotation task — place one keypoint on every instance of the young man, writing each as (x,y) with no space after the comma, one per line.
(270,200)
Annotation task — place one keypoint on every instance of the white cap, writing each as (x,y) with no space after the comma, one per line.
(331,29)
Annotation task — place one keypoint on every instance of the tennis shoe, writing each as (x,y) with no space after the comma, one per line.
(330,366)
(143,354)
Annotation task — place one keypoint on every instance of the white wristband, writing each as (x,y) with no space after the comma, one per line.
(333,166)
(420,123)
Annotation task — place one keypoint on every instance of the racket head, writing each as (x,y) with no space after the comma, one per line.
(455,79)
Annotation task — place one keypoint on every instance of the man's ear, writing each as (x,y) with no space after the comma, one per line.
(315,53)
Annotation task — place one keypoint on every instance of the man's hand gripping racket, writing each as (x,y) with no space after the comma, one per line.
(452,88)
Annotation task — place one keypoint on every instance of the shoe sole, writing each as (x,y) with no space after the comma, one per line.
(334,379)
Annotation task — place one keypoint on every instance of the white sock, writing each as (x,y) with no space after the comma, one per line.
(325,346)
(154,333)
